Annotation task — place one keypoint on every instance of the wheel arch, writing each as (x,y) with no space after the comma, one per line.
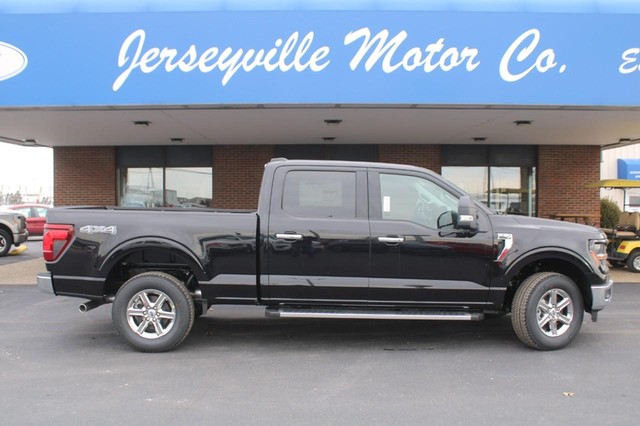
(563,262)
(141,255)
(7,230)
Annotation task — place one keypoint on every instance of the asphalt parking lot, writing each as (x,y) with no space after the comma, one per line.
(33,251)
(58,366)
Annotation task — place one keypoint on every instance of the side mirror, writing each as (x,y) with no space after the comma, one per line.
(467,214)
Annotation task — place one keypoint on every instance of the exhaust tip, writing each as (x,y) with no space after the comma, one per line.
(88,305)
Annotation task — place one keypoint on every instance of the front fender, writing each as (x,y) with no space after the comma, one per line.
(544,253)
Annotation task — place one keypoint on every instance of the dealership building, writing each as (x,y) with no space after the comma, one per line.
(158,103)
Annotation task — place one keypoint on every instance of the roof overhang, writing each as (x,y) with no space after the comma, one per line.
(306,124)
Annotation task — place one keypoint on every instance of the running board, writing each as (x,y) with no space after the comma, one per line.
(377,314)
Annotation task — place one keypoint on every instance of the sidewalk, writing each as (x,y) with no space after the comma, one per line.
(25,273)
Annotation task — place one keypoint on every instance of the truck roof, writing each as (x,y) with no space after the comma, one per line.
(340,163)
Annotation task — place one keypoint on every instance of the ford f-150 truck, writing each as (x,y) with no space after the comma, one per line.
(330,240)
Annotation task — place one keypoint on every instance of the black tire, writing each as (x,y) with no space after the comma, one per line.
(161,324)
(617,263)
(559,294)
(633,261)
(6,240)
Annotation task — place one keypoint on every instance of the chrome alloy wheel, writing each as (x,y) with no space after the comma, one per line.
(151,314)
(3,243)
(636,262)
(555,312)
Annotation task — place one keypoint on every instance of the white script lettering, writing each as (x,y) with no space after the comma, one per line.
(294,53)
(543,62)
(630,64)
(434,56)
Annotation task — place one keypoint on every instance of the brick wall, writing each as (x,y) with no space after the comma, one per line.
(84,176)
(427,156)
(563,173)
(237,174)
(87,175)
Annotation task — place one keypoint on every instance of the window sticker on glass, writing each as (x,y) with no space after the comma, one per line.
(386,204)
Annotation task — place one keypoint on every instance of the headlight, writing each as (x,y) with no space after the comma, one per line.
(20,221)
(598,252)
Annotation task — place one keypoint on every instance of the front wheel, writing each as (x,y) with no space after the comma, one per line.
(547,311)
(153,312)
(5,242)
(633,261)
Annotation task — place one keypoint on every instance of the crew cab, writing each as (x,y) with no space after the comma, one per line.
(330,240)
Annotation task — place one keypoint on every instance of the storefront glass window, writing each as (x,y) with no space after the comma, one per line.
(141,187)
(165,176)
(504,189)
(473,180)
(166,187)
(188,186)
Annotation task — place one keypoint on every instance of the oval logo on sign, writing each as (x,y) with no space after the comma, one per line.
(12,61)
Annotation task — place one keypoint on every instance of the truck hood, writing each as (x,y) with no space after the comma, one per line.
(538,229)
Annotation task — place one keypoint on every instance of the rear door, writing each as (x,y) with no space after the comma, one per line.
(318,236)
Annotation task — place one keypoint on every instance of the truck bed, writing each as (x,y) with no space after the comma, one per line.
(220,245)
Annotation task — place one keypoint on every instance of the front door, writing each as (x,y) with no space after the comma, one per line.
(412,261)
(318,236)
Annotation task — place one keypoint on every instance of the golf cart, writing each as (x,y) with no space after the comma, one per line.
(624,238)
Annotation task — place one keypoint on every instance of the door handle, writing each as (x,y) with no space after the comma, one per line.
(293,237)
(391,240)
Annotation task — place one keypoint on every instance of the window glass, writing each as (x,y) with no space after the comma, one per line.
(40,211)
(166,187)
(188,186)
(141,187)
(26,211)
(504,189)
(506,193)
(414,199)
(320,194)
(473,180)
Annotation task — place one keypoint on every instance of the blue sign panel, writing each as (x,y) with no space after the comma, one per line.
(302,57)
(629,169)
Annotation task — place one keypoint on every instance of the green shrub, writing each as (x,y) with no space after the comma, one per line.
(609,212)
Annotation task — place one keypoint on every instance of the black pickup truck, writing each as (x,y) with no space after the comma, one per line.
(330,240)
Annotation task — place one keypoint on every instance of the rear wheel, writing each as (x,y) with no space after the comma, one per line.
(547,311)
(5,242)
(153,312)
(633,261)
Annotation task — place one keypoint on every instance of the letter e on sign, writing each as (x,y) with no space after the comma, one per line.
(630,58)
(12,61)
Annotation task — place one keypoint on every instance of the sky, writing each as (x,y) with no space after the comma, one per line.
(26,169)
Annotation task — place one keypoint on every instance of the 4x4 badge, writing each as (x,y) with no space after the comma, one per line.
(96,229)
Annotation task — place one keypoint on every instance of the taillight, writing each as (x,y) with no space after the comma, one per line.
(56,239)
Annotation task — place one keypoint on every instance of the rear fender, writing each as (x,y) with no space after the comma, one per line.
(129,247)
